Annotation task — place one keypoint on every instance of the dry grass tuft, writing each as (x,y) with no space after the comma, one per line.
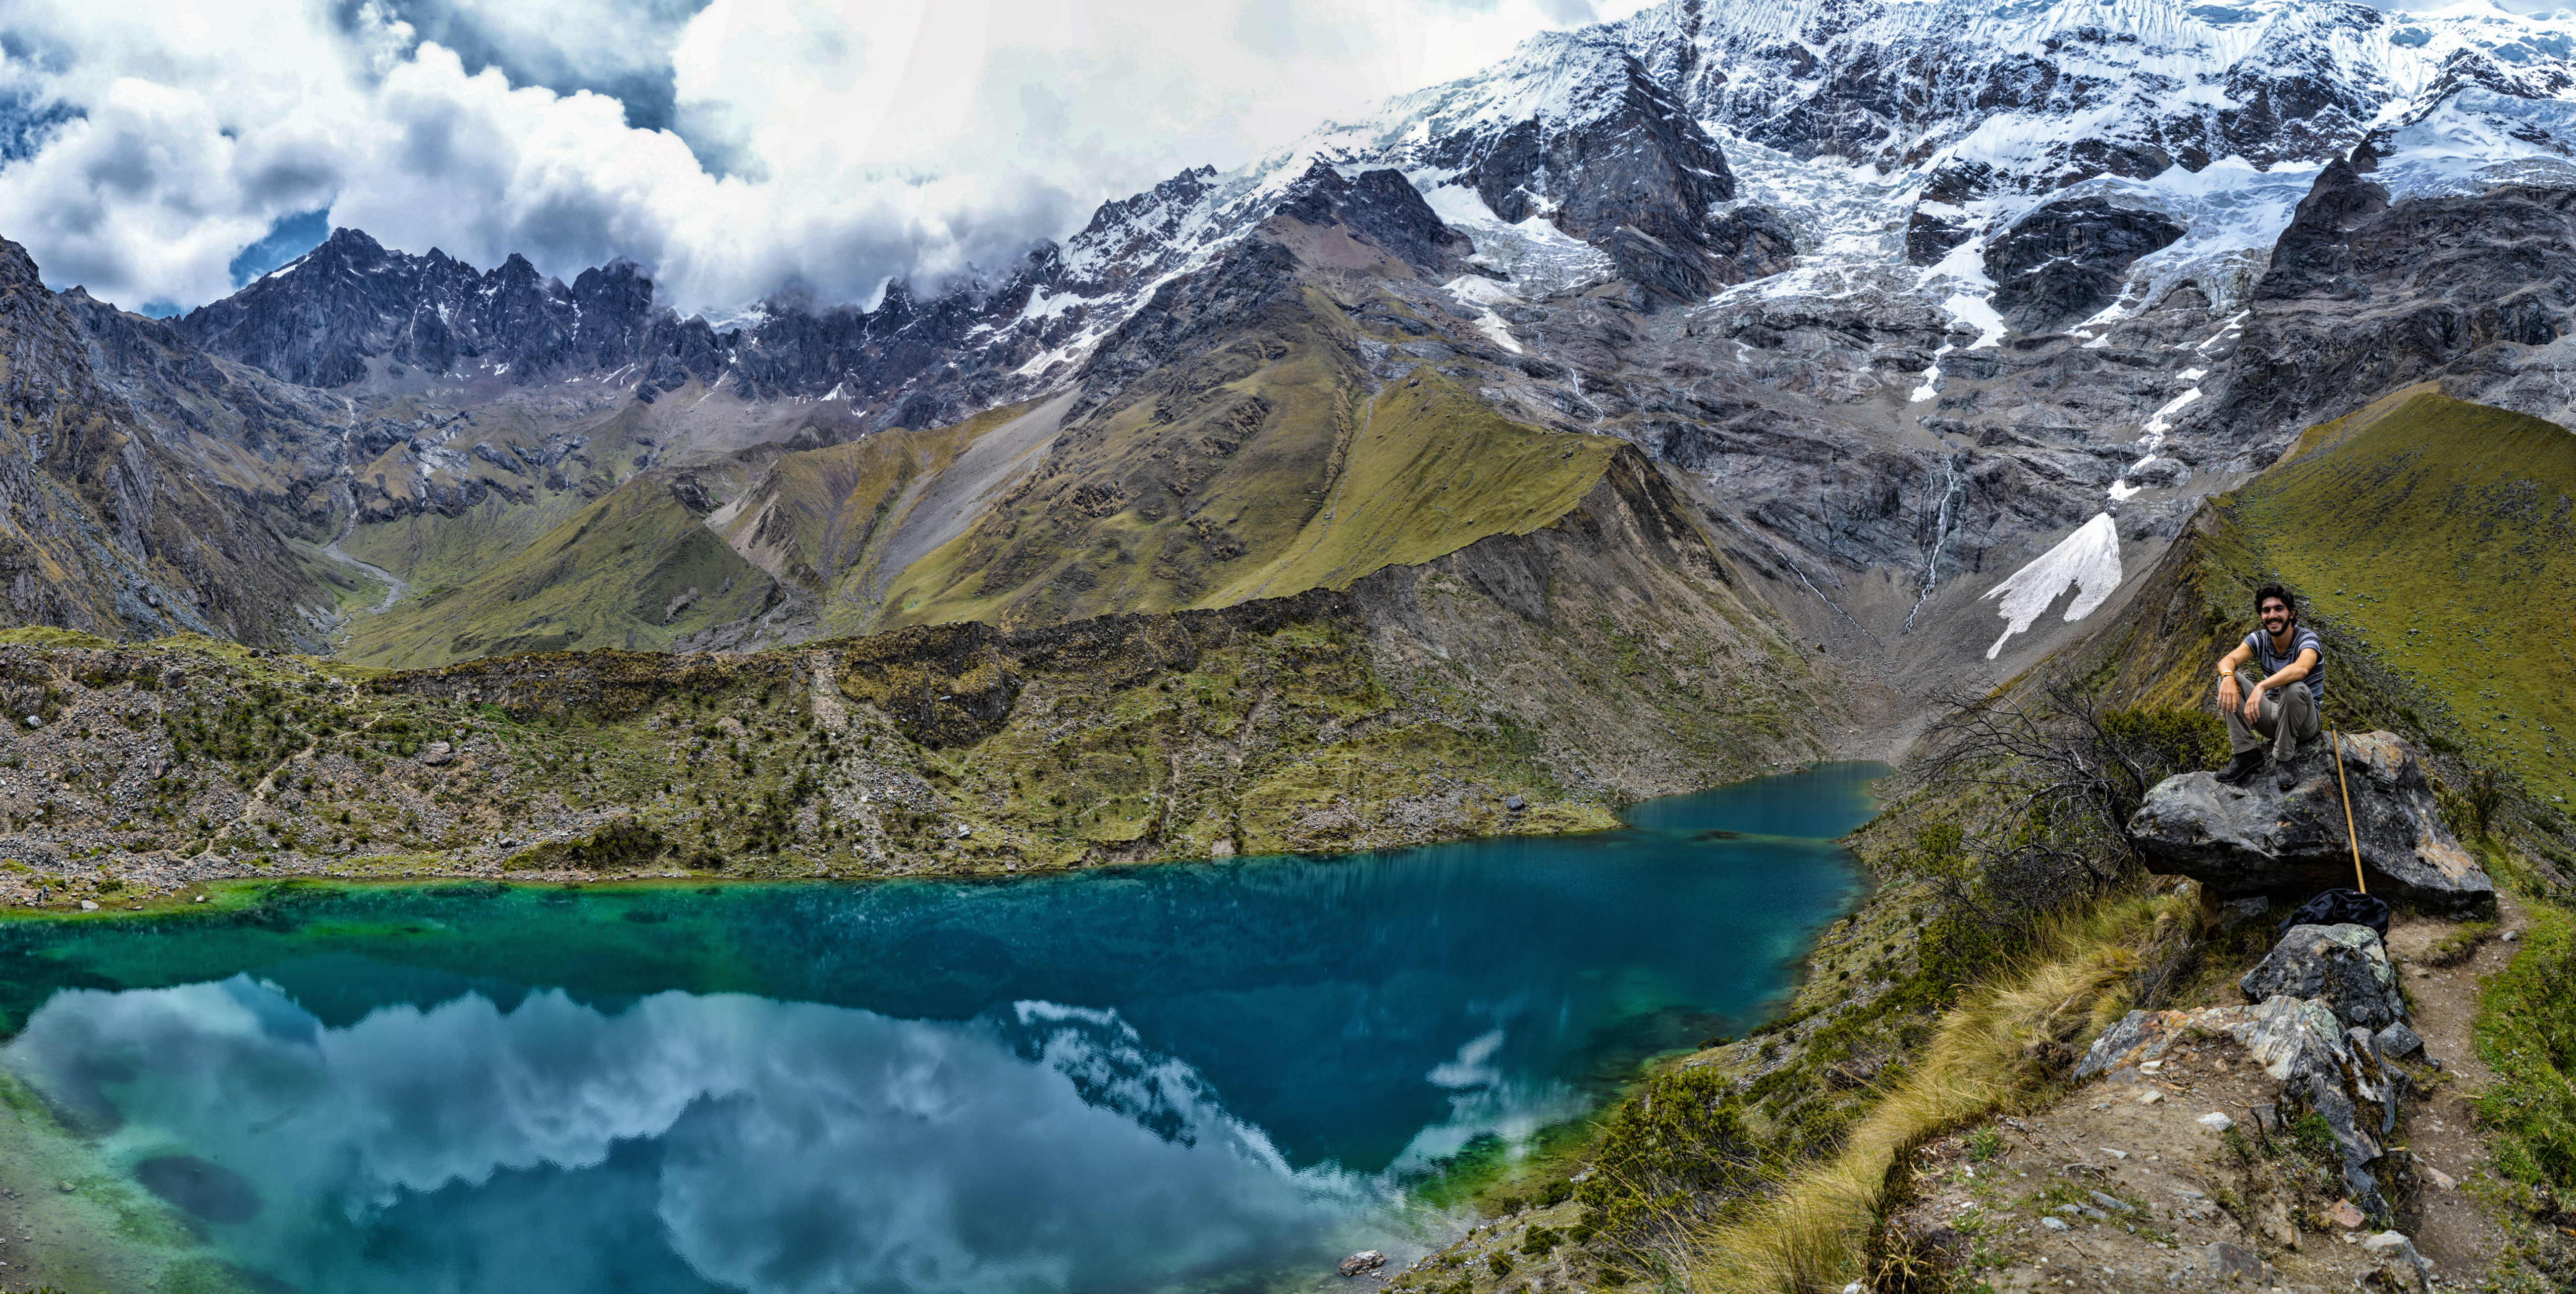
(1812,1234)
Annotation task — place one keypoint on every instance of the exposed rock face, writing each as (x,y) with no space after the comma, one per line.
(1384,208)
(2364,297)
(2314,255)
(2067,260)
(1867,78)
(319,321)
(109,529)
(2346,967)
(1576,130)
(2300,1045)
(2255,840)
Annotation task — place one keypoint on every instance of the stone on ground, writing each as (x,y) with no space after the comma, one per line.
(2398,1041)
(2344,966)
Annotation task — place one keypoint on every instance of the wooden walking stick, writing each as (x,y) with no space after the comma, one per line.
(2349,834)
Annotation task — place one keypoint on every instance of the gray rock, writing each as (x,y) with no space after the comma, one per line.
(2301,1046)
(2230,1262)
(2254,840)
(2139,1035)
(1515,804)
(2069,258)
(2398,1257)
(2346,966)
(1364,1260)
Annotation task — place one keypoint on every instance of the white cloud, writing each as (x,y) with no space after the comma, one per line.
(823,144)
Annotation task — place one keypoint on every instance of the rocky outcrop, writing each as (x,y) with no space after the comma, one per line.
(351,303)
(1384,208)
(2067,260)
(2345,967)
(2364,297)
(2313,256)
(2302,1046)
(110,529)
(2254,840)
(1607,154)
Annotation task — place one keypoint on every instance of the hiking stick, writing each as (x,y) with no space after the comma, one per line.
(2349,835)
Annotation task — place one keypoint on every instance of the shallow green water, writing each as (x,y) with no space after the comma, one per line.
(1211,1075)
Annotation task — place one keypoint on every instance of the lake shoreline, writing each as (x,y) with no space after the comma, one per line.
(1456,1180)
(178,882)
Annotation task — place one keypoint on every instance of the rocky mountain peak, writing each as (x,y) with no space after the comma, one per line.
(1384,208)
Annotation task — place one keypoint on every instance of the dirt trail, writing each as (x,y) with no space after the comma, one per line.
(2177,1188)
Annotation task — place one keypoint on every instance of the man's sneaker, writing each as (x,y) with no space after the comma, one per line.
(2241,767)
(2281,777)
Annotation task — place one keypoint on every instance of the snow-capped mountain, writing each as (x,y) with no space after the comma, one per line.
(1686,150)
(1910,289)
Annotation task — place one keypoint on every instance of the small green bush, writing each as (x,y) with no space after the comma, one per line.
(1985,1144)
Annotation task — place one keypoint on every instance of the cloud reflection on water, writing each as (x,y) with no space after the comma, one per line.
(789,1147)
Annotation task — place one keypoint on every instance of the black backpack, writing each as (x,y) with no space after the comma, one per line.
(2340,908)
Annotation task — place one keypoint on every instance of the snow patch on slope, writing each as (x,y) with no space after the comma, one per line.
(2089,559)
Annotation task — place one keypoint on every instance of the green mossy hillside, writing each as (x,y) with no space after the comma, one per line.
(2439,534)
(940,749)
(533,475)
(2431,543)
(1430,470)
(636,569)
(1259,468)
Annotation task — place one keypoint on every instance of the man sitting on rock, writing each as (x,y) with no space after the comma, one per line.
(2283,700)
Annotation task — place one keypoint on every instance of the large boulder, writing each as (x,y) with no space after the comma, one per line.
(2346,967)
(2247,840)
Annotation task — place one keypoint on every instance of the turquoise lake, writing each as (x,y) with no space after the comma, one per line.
(1203,1076)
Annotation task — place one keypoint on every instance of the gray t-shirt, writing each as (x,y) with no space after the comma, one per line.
(2301,638)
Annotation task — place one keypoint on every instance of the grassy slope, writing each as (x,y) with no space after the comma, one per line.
(2437,533)
(434,551)
(1430,471)
(822,517)
(1258,469)
(607,576)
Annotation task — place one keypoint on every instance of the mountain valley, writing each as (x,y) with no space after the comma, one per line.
(1679,400)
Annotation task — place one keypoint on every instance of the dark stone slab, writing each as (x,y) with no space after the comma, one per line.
(2346,967)
(2255,840)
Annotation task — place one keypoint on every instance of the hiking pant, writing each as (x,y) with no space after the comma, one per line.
(2289,717)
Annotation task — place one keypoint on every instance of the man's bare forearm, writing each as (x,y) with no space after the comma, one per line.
(2289,674)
